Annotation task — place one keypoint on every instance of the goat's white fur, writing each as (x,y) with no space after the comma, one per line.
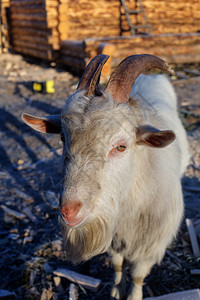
(158,92)
(140,202)
(168,167)
(132,202)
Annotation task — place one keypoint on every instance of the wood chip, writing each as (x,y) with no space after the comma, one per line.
(191,188)
(192,71)
(13,236)
(185,295)
(87,281)
(23,196)
(193,237)
(46,294)
(4,175)
(195,272)
(27,239)
(4,294)
(29,214)
(12,212)
(185,81)
(57,282)
(51,198)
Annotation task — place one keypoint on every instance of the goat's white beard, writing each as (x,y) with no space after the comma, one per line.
(87,241)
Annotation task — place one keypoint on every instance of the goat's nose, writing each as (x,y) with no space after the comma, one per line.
(70,211)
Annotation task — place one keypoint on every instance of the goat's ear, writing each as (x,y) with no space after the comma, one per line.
(151,136)
(48,124)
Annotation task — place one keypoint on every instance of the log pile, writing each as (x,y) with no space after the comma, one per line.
(63,24)
(97,18)
(72,54)
(4,26)
(34,27)
(94,18)
(97,22)
(174,16)
(174,48)
(76,28)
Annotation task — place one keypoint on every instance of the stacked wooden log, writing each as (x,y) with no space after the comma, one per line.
(94,18)
(77,28)
(174,48)
(82,19)
(72,54)
(97,18)
(34,27)
(174,16)
(103,20)
(4,25)
(63,24)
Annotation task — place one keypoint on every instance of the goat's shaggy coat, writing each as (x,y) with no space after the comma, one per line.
(123,166)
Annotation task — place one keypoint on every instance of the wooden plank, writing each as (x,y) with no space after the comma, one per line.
(165,46)
(164,37)
(20,3)
(193,237)
(40,32)
(32,45)
(71,53)
(44,16)
(195,271)
(73,49)
(29,38)
(73,45)
(87,281)
(188,80)
(194,189)
(46,55)
(35,23)
(44,40)
(29,31)
(193,72)
(29,24)
(184,295)
(12,212)
(28,9)
(76,63)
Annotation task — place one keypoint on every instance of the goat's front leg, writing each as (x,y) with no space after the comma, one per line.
(118,291)
(138,272)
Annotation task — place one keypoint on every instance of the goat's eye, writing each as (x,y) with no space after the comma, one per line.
(121,148)
(62,137)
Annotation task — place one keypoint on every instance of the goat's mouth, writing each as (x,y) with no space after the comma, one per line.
(77,222)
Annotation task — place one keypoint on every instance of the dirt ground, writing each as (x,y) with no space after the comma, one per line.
(31,242)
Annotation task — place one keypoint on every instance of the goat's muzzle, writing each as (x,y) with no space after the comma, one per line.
(70,212)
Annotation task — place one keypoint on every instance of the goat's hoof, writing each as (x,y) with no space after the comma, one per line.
(117,293)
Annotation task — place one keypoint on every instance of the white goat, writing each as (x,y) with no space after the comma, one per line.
(122,165)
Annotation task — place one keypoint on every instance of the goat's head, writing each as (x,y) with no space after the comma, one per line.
(100,132)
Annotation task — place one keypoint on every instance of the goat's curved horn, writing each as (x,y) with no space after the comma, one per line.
(122,79)
(91,75)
